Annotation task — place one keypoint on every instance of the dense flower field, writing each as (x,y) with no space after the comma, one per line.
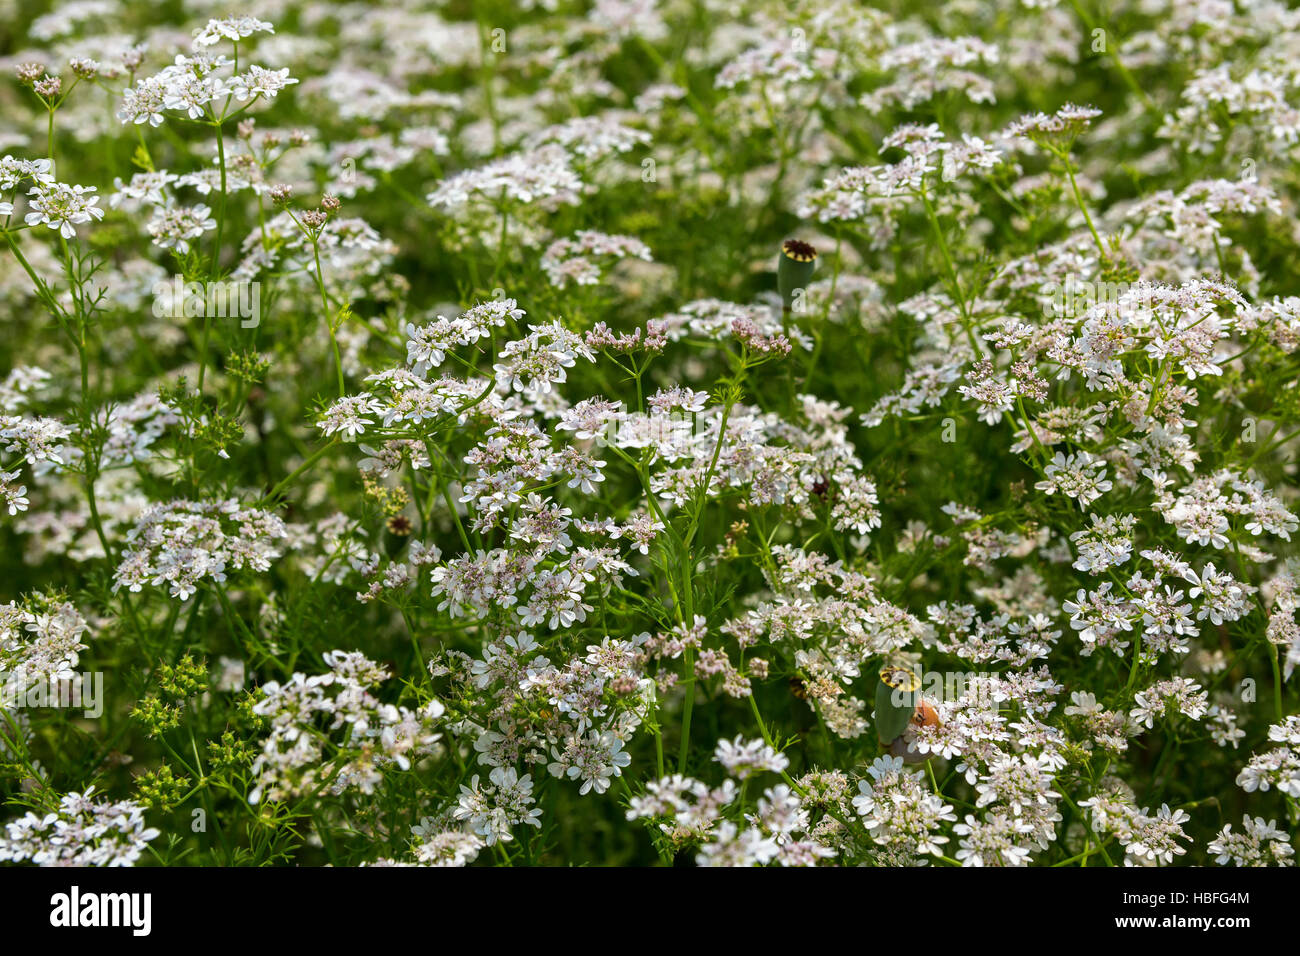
(719,432)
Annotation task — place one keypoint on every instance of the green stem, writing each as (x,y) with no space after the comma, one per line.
(275,492)
(1078,199)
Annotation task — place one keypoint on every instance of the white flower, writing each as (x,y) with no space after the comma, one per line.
(62,207)
(745,758)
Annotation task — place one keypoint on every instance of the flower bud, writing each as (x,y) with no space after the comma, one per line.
(29,73)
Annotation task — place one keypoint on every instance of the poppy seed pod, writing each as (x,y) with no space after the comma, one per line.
(397,532)
(897,694)
(794,269)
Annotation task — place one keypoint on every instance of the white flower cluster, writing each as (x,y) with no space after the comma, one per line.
(299,756)
(181,543)
(81,831)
